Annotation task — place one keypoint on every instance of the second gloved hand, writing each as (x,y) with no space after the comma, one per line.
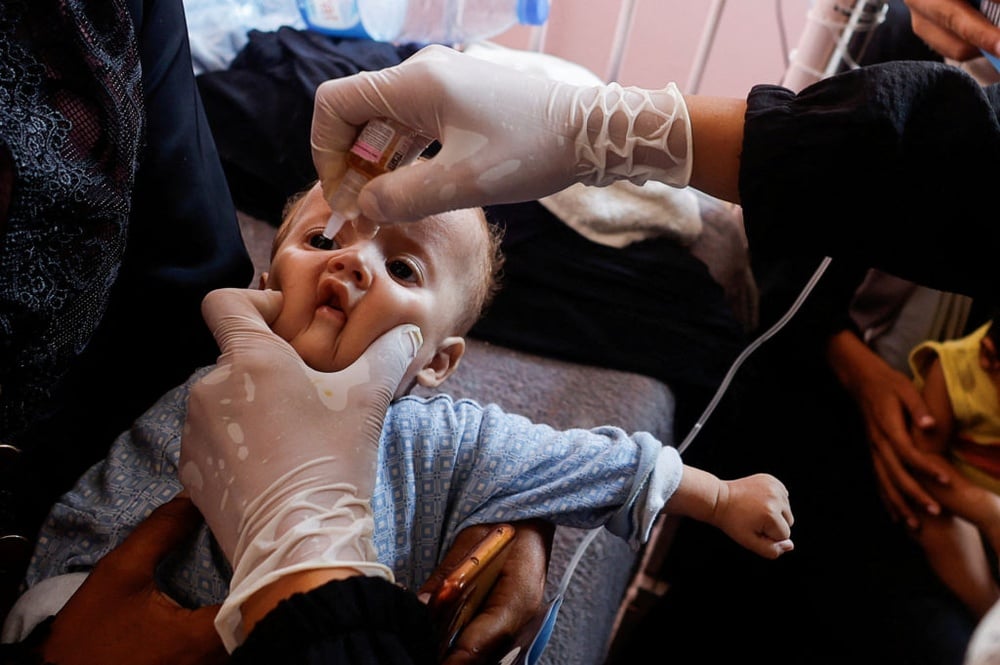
(281,459)
(506,135)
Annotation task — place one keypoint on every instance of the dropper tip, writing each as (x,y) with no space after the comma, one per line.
(333,225)
(321,242)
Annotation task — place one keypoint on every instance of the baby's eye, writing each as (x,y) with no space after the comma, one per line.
(403,270)
(320,241)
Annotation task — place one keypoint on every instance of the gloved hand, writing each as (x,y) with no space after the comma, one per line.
(506,136)
(279,458)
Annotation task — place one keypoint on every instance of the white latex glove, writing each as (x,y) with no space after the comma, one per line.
(281,459)
(506,136)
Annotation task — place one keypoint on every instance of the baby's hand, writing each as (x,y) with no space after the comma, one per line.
(754,511)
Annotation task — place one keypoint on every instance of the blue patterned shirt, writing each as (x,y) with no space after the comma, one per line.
(444,465)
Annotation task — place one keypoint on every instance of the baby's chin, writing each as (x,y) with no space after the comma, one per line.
(327,362)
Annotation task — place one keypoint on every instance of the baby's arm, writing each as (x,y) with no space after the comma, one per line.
(961,496)
(980,506)
(754,511)
(935,393)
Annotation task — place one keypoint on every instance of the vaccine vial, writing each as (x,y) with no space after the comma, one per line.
(383,145)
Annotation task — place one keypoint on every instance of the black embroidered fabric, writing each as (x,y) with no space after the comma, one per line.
(71,121)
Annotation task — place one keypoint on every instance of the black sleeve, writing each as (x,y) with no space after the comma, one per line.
(357,621)
(892,166)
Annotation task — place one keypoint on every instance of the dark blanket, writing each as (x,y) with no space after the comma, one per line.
(260,109)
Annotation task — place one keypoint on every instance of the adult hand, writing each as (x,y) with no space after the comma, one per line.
(119,615)
(889,404)
(506,135)
(281,459)
(953,28)
(513,602)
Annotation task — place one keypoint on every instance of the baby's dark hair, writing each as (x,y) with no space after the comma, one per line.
(286,214)
(490,282)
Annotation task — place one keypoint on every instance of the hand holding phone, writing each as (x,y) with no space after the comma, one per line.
(455,601)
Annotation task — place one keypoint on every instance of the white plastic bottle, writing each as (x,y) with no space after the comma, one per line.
(446,21)
(333,17)
(217,29)
(272,14)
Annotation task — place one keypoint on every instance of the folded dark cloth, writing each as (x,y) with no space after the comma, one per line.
(260,109)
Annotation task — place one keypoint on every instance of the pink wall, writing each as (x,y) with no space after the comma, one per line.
(665,38)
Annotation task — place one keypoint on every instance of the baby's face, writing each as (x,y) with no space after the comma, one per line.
(337,301)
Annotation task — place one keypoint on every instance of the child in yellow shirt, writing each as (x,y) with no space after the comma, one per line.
(960,382)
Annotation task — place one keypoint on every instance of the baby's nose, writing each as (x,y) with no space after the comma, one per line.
(353,264)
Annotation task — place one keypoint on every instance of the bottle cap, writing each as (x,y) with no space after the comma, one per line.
(532,12)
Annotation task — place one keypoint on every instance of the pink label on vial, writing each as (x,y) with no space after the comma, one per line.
(365,151)
(373,141)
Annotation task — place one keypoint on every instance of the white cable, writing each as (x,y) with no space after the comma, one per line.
(726,380)
(577,555)
(770,332)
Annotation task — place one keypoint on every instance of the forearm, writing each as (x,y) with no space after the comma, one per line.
(971,502)
(848,357)
(697,496)
(717,136)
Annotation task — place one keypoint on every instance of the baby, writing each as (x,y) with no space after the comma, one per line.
(960,382)
(444,464)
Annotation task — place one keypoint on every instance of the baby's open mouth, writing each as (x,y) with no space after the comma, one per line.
(334,296)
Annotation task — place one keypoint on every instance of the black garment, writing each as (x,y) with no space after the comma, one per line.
(357,621)
(893,166)
(67,212)
(120,220)
(650,307)
(856,589)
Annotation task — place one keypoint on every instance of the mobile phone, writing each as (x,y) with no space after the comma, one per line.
(455,601)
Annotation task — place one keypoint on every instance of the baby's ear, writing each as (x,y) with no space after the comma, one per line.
(988,357)
(443,363)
